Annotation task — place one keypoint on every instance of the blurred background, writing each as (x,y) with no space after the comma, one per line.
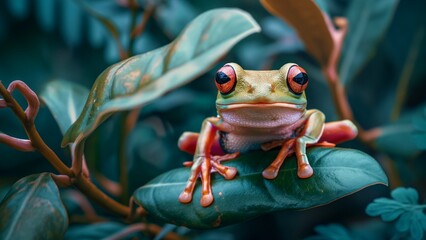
(382,66)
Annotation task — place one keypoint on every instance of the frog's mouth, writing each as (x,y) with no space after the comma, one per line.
(261,115)
(260,105)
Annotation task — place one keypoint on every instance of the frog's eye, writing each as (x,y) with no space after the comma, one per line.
(297,79)
(225,79)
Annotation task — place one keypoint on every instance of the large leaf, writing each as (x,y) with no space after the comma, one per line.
(138,80)
(309,22)
(337,173)
(367,24)
(65,100)
(32,209)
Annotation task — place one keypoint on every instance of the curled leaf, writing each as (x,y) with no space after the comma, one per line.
(337,173)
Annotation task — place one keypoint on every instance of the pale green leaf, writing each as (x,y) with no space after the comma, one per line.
(140,79)
(65,101)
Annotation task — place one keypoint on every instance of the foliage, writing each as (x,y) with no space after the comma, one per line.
(335,174)
(32,209)
(366,66)
(403,208)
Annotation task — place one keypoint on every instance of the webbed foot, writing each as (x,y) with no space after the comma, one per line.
(203,167)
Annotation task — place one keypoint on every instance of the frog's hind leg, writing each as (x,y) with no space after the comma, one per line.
(339,131)
(310,134)
(188,142)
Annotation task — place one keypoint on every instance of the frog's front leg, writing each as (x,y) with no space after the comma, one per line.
(310,134)
(204,163)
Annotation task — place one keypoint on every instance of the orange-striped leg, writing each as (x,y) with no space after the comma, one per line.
(271,172)
(310,134)
(204,163)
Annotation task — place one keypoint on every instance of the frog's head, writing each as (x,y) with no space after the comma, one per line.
(274,97)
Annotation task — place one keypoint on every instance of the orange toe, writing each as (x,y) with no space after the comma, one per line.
(185,197)
(270,173)
(305,171)
(206,200)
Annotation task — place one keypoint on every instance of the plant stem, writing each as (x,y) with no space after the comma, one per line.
(36,141)
(140,28)
(91,191)
(133,16)
(128,122)
(80,181)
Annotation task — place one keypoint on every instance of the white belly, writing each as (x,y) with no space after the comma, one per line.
(252,139)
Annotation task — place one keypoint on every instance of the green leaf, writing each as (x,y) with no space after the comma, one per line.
(405,195)
(403,205)
(407,136)
(65,100)
(136,81)
(367,23)
(337,173)
(32,209)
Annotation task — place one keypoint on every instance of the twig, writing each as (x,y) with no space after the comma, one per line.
(140,28)
(340,100)
(27,119)
(28,122)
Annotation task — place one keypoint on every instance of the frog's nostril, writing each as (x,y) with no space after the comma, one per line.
(272,87)
(250,88)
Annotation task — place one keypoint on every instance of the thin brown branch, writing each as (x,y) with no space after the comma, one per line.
(140,28)
(27,121)
(80,181)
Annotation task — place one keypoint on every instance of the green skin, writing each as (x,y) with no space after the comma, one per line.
(260,112)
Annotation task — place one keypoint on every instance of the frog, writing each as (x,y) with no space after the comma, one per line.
(258,110)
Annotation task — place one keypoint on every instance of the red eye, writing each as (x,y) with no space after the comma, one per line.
(297,79)
(225,79)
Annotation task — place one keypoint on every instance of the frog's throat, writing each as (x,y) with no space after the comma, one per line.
(260,105)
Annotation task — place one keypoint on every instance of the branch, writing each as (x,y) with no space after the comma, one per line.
(27,119)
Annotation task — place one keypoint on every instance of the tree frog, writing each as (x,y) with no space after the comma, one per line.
(258,110)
